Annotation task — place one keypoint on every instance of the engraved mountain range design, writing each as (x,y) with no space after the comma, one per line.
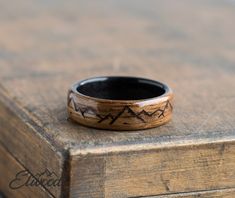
(126,110)
(87,110)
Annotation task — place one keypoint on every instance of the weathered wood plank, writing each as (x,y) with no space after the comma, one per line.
(8,170)
(87,177)
(221,193)
(203,105)
(30,149)
(153,172)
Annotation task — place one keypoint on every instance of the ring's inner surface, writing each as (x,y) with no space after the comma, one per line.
(121,88)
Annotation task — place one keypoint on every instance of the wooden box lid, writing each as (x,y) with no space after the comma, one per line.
(47,46)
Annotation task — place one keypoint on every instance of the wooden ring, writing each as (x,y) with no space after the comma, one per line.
(120,103)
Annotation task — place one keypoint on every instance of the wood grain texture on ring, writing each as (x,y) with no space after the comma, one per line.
(120,114)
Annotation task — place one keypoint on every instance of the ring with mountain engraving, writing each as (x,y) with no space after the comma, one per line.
(120,103)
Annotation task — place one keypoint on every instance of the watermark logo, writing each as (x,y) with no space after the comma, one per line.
(47,179)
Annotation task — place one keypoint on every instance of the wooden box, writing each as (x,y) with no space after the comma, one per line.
(47,46)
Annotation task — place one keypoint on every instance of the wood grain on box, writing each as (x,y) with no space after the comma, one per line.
(223,193)
(9,166)
(47,46)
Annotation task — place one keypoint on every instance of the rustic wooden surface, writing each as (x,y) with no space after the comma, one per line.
(223,193)
(190,45)
(9,167)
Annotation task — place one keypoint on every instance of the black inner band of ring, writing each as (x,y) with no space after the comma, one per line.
(121,88)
